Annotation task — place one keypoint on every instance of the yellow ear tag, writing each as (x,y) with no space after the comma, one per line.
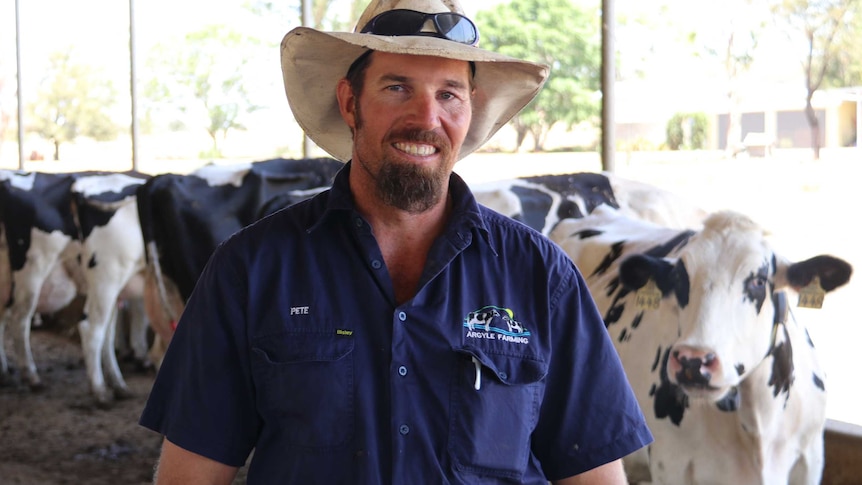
(812,295)
(648,296)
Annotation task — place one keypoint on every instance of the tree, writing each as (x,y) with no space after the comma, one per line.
(687,131)
(73,100)
(712,40)
(201,80)
(739,37)
(823,32)
(557,33)
(847,68)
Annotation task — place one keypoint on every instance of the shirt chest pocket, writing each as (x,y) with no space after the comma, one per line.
(304,385)
(495,407)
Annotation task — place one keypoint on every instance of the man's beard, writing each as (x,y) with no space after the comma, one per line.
(408,187)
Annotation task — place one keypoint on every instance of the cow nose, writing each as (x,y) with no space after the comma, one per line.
(693,367)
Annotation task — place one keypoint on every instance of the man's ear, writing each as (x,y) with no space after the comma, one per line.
(346,102)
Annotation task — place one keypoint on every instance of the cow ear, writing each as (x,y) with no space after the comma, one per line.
(833,272)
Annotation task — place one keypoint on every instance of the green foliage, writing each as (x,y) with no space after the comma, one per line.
(828,32)
(846,68)
(201,82)
(687,131)
(73,100)
(559,34)
(638,144)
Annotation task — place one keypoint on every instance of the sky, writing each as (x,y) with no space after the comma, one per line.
(99,28)
(48,22)
(98,32)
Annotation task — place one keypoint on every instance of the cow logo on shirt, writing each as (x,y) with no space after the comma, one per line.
(495,323)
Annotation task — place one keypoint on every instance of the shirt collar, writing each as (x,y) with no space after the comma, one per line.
(466,216)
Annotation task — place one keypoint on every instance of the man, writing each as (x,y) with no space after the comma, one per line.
(391,330)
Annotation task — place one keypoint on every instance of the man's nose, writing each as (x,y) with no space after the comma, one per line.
(425,111)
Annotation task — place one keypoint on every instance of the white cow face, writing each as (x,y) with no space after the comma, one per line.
(721,291)
(726,326)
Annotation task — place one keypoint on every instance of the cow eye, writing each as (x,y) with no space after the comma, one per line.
(757,282)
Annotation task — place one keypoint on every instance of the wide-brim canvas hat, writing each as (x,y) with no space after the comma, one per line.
(313,62)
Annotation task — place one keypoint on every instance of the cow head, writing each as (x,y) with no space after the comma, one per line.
(724,291)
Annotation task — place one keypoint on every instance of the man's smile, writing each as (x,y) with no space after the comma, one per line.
(416,149)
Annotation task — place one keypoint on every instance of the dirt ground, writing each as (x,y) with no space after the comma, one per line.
(57,436)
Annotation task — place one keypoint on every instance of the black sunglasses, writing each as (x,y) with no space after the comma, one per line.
(451,26)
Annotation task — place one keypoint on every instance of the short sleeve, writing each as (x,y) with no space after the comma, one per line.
(589,415)
(203,398)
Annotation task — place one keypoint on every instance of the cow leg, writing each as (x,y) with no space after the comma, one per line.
(5,289)
(18,318)
(130,341)
(138,328)
(808,470)
(121,334)
(105,278)
(97,329)
(45,250)
(113,253)
(637,466)
(5,378)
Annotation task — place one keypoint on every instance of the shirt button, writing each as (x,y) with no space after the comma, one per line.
(402,316)
(503,376)
(404,429)
(358,222)
(376,264)
(402,370)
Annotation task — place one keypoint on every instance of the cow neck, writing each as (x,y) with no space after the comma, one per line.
(731,401)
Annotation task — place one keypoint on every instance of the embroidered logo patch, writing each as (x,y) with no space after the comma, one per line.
(495,323)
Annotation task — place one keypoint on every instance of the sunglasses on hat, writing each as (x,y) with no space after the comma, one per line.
(450,26)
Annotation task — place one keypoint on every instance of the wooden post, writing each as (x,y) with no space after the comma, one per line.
(608,79)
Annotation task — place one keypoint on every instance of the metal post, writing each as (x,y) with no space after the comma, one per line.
(20,96)
(306,22)
(608,79)
(859,119)
(133,84)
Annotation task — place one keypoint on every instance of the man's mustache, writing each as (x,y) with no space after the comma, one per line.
(429,137)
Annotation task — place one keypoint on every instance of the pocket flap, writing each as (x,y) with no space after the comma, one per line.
(509,369)
(295,347)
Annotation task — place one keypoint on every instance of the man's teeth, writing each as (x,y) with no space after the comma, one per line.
(419,150)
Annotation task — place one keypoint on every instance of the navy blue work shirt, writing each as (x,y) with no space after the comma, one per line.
(499,370)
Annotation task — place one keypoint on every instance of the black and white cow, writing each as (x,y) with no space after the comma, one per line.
(69,234)
(654,204)
(184,217)
(111,263)
(728,379)
(34,235)
(543,201)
